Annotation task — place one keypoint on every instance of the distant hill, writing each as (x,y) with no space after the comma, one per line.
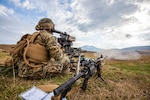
(6,47)
(137,48)
(90,48)
(130,53)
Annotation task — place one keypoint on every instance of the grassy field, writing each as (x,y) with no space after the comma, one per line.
(126,80)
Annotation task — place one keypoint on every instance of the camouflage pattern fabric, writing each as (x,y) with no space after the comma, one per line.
(57,64)
(45,24)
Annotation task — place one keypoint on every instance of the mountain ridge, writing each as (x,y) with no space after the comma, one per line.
(136,48)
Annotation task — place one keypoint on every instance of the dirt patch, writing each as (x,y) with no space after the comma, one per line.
(6,47)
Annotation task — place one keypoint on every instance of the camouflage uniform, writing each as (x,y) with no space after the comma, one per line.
(58,61)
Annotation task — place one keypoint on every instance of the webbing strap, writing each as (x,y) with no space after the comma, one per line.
(35,34)
(25,57)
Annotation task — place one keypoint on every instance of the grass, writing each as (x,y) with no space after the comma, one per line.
(3,55)
(126,80)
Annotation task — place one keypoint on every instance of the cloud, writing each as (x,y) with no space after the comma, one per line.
(24,4)
(128,36)
(12,26)
(93,14)
(5,11)
(12,30)
(101,23)
(16,2)
(27,5)
(145,37)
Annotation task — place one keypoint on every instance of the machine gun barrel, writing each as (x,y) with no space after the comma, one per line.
(56,31)
(64,35)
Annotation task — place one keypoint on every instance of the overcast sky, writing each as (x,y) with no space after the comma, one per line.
(104,24)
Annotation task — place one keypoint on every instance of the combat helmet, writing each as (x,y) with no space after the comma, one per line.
(45,24)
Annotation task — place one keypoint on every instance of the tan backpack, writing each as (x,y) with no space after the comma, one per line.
(34,55)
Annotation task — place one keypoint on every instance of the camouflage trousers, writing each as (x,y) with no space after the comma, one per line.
(53,68)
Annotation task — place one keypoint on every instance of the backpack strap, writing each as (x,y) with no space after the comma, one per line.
(30,41)
(34,35)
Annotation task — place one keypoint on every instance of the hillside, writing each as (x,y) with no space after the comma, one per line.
(6,47)
(90,48)
(135,48)
(138,48)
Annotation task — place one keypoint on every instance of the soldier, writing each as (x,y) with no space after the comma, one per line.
(57,63)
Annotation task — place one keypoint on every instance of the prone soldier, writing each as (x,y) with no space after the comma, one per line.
(40,55)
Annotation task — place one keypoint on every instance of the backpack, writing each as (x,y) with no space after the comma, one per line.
(29,51)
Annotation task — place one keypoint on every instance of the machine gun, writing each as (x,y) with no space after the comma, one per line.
(90,67)
(66,41)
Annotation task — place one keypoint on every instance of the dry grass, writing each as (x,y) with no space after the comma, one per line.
(126,80)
